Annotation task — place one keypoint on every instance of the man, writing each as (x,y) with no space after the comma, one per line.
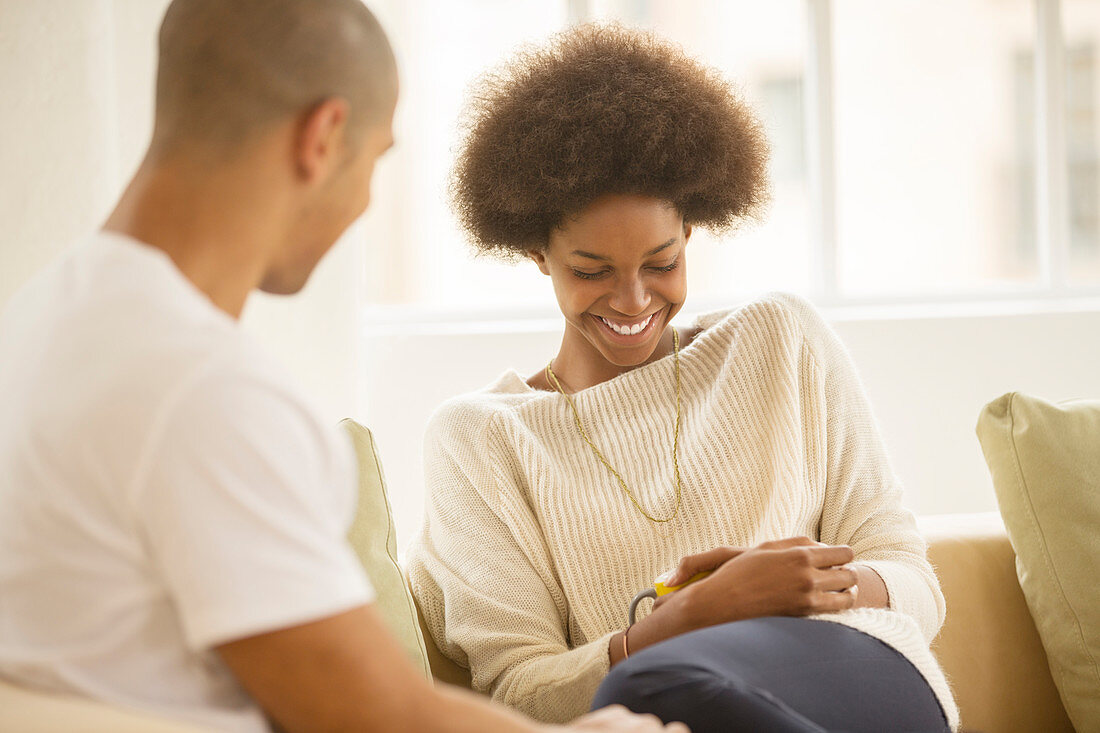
(172,511)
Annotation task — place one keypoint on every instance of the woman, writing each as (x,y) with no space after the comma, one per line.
(726,446)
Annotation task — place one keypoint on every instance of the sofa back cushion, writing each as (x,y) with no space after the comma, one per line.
(375,541)
(1045,463)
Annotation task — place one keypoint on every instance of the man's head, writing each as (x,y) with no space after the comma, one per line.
(311,82)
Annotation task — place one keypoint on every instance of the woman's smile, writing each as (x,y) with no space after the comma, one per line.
(629,332)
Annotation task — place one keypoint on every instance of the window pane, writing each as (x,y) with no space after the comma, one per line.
(1081,24)
(442,47)
(935,145)
(434,266)
(761,48)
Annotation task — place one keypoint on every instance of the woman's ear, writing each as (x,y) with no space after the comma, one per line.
(539,258)
(687,231)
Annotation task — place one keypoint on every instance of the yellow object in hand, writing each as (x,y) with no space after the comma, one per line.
(662,589)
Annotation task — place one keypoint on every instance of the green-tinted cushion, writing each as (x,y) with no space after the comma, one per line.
(375,541)
(1045,462)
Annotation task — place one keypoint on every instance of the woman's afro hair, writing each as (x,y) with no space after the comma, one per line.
(603,110)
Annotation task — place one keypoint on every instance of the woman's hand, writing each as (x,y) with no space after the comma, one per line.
(692,564)
(791,577)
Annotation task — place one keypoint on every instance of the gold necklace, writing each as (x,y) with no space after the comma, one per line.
(553,379)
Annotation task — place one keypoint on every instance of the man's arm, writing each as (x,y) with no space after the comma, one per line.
(345,673)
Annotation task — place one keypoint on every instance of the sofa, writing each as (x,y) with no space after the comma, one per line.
(989,645)
(989,648)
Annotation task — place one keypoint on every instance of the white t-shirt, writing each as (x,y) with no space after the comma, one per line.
(163,489)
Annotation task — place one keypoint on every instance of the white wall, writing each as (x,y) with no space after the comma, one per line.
(927,376)
(77,80)
(59,135)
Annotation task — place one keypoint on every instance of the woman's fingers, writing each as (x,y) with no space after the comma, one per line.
(818,554)
(791,577)
(832,601)
(837,579)
(708,560)
(827,556)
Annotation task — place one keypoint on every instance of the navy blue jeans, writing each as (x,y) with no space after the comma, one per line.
(787,675)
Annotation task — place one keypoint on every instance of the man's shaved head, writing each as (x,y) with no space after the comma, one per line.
(231,68)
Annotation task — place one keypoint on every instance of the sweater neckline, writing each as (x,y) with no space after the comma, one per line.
(514,382)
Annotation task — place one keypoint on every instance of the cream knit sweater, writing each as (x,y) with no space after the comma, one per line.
(530,551)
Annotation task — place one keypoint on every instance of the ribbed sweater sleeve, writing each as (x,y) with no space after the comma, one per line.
(863,497)
(485,579)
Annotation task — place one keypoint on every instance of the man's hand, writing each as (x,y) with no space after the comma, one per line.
(617,719)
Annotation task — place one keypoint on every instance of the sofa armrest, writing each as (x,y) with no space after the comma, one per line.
(443,669)
(988,646)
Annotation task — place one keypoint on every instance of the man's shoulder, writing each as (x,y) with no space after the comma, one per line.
(109,300)
(110,341)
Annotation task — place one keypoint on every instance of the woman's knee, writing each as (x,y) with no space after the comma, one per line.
(640,682)
(705,698)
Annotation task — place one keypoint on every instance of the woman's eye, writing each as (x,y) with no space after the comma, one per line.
(667,268)
(589,275)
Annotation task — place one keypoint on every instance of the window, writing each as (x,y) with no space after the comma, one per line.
(442,47)
(761,48)
(1081,26)
(914,155)
(1081,153)
(927,164)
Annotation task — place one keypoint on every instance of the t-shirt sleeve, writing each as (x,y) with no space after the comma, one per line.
(244,501)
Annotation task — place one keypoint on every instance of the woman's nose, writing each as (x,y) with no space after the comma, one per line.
(630,297)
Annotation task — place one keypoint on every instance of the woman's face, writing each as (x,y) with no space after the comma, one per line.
(618,270)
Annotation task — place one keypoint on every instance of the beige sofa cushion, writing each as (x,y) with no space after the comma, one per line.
(988,646)
(1045,463)
(375,541)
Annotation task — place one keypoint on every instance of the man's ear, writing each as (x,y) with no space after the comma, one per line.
(539,258)
(320,144)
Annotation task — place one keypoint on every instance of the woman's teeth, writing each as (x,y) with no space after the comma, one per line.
(628,329)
